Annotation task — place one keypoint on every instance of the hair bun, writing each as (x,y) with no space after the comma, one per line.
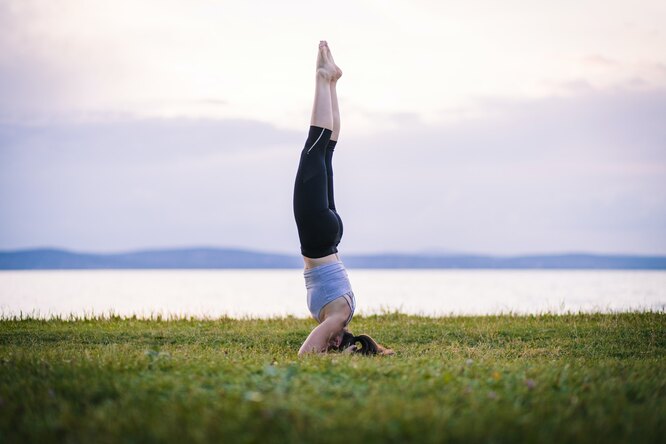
(365,345)
(368,346)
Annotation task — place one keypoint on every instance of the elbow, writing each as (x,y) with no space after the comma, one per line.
(304,350)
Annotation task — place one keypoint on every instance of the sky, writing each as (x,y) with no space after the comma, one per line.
(475,127)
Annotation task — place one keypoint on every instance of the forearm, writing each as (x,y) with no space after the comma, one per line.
(317,341)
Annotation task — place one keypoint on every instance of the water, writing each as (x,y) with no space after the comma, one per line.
(267,293)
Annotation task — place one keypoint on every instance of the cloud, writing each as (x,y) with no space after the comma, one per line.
(144,182)
(585,172)
(577,172)
(166,59)
(580,168)
(600,60)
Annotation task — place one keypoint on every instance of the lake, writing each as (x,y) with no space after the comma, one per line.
(268,293)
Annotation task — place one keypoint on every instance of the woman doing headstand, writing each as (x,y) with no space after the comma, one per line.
(330,297)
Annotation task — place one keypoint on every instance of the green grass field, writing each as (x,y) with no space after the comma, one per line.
(570,378)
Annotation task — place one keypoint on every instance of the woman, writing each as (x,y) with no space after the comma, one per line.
(330,297)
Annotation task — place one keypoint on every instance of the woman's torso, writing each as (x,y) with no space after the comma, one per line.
(315,262)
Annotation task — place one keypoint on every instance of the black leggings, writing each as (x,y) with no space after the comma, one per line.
(319,226)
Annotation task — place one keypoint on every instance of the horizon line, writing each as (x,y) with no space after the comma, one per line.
(443,253)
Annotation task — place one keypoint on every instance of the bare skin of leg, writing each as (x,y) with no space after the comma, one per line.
(325,114)
(334,98)
(322,109)
(336,111)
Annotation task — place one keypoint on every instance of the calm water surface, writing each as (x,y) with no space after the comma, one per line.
(266,293)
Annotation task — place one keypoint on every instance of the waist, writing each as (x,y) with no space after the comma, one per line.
(316,262)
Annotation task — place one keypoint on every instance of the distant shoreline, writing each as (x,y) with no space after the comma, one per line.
(225,258)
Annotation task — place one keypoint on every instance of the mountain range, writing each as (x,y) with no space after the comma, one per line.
(215,258)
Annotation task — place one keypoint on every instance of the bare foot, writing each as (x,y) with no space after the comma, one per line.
(338,71)
(384,351)
(325,66)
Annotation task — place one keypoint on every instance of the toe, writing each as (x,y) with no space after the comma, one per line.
(325,54)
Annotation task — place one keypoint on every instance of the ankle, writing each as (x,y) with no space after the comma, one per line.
(325,75)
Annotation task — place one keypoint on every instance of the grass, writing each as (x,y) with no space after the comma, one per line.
(569,378)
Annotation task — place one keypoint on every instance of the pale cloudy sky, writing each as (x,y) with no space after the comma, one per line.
(471,126)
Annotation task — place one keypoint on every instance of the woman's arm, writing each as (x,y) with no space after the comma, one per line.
(317,341)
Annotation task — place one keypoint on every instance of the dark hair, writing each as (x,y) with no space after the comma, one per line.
(365,345)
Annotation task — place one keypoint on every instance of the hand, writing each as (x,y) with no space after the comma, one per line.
(349,350)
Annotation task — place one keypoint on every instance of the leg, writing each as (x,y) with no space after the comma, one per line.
(335,134)
(322,109)
(336,110)
(334,97)
(318,226)
(329,173)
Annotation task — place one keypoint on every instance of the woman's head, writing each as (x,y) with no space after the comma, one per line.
(363,344)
